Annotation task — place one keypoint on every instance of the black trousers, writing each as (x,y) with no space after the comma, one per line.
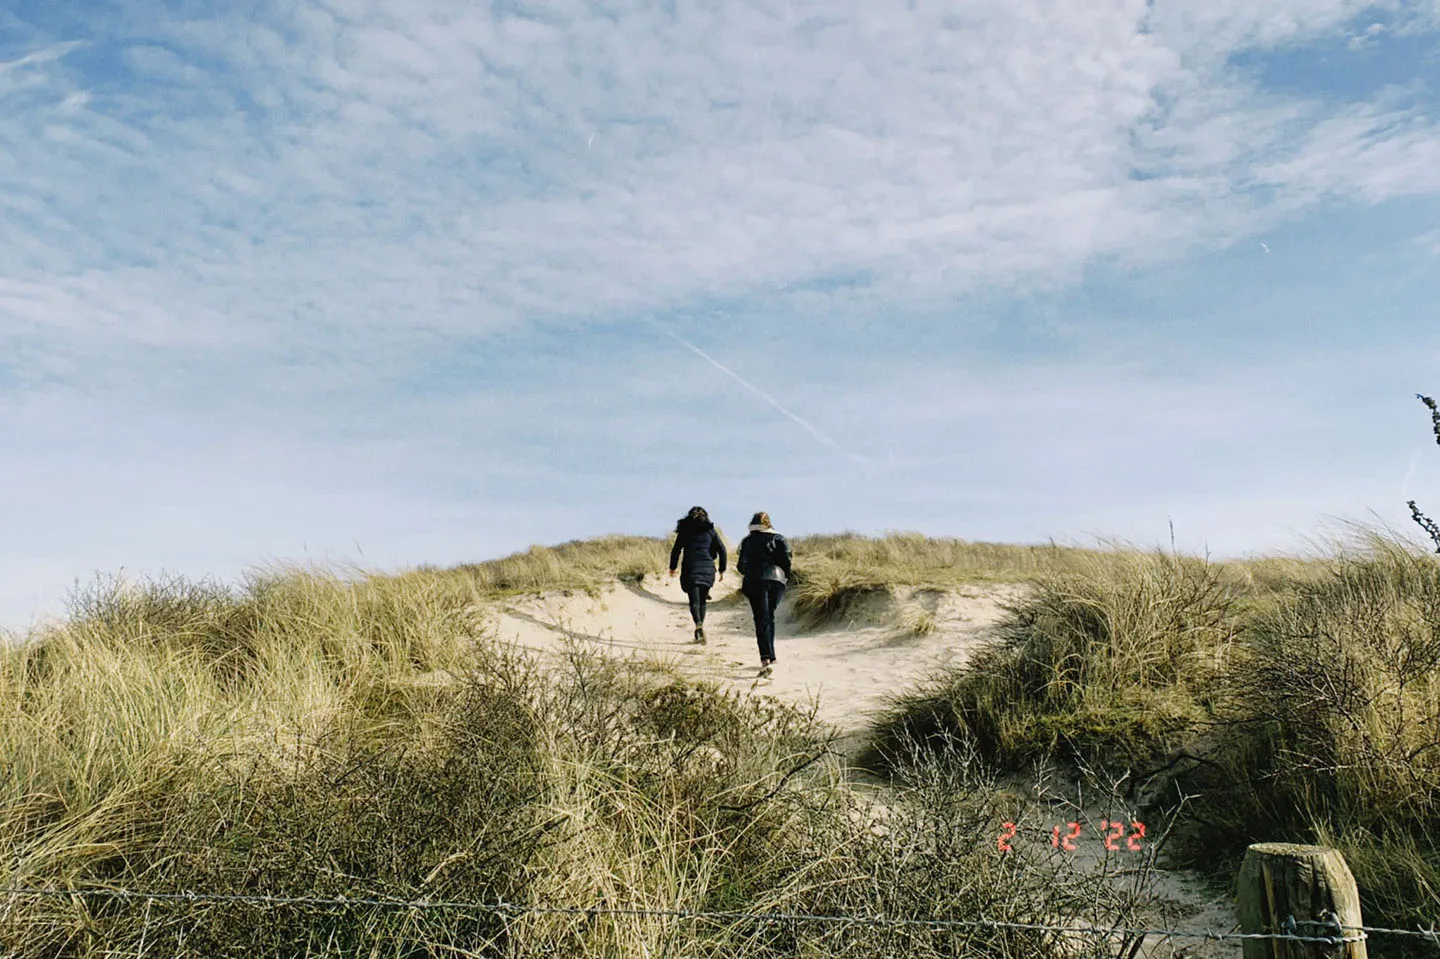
(764,596)
(699,593)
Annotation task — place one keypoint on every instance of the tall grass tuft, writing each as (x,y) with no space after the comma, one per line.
(1332,729)
(1276,700)
(126,701)
(579,564)
(1112,662)
(833,574)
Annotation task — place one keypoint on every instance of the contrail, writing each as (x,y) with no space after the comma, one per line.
(1410,474)
(51,53)
(764,396)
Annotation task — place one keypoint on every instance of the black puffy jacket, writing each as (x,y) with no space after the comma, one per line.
(701,545)
(764,554)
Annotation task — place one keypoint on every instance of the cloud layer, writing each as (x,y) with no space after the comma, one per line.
(220,181)
(414,254)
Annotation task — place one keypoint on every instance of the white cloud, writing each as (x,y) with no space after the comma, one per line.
(1367,37)
(1226,25)
(1366,152)
(396,161)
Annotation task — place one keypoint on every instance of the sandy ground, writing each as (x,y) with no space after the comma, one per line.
(850,669)
(847,670)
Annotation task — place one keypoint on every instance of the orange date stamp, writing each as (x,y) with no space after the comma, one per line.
(1118,836)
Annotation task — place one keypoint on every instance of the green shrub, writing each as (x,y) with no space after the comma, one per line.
(1120,663)
(1332,731)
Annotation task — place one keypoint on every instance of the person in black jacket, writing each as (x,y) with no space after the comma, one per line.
(697,538)
(764,562)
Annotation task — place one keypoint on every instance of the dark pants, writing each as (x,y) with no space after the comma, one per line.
(764,596)
(699,593)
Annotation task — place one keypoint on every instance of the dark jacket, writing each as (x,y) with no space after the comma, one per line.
(756,563)
(701,545)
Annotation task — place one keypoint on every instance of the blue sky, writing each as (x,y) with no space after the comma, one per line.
(411,281)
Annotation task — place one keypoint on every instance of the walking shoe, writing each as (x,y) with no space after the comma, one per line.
(765,670)
(700,634)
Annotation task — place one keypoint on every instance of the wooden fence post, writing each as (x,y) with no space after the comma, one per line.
(1280,881)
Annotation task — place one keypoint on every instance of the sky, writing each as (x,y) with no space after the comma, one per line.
(406,282)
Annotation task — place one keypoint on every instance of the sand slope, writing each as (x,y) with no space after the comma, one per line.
(849,668)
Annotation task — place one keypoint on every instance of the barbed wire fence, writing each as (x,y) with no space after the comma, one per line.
(1334,933)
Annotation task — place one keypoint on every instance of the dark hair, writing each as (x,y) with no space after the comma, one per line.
(760,519)
(696,517)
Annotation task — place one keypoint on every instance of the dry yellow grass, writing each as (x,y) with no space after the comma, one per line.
(1286,698)
(289,737)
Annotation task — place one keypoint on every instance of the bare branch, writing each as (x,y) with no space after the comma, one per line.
(1421,520)
(1425,523)
(1434,414)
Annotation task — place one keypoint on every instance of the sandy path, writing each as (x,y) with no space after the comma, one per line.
(847,670)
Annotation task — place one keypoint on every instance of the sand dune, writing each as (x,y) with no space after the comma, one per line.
(850,668)
(847,670)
